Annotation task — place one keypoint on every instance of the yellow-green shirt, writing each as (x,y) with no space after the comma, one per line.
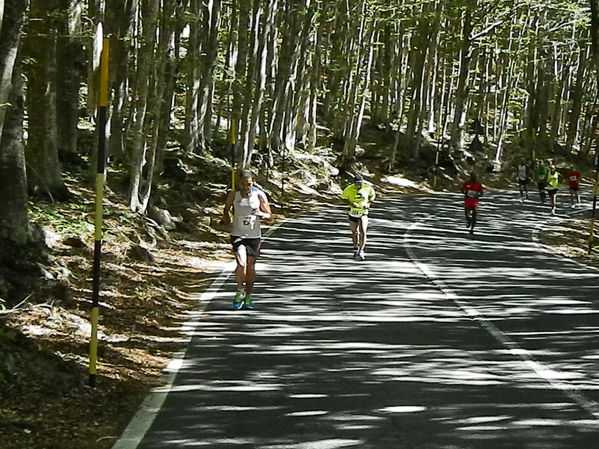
(360,198)
(553,180)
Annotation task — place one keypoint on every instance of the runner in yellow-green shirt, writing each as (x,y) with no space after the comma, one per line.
(358,197)
(553,182)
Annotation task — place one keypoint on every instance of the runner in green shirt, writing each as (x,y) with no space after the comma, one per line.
(541,178)
(358,197)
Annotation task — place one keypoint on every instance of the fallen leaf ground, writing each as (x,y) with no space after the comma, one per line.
(46,401)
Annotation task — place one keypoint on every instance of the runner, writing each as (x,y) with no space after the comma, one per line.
(541,178)
(523,180)
(472,190)
(358,196)
(553,181)
(573,177)
(248,205)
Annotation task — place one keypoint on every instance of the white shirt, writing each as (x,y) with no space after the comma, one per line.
(246,224)
(522,172)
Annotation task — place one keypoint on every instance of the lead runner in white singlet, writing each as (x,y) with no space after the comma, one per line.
(248,205)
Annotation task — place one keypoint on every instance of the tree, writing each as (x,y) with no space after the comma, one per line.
(15,233)
(139,143)
(43,167)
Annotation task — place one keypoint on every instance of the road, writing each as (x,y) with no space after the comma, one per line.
(439,339)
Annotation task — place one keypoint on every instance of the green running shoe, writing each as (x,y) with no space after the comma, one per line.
(248,304)
(238,301)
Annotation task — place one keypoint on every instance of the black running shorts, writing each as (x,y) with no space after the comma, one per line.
(252,246)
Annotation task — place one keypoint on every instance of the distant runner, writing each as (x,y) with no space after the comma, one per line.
(358,197)
(523,180)
(541,179)
(472,190)
(248,205)
(553,182)
(573,177)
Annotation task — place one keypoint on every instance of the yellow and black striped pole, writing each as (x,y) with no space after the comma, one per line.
(233,142)
(102,120)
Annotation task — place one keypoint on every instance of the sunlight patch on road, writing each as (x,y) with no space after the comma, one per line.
(307,413)
(403,409)
(308,396)
(336,443)
(215,387)
(482,419)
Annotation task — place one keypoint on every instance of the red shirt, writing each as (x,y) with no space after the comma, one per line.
(573,177)
(472,190)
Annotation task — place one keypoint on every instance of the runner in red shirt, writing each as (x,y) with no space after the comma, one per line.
(472,190)
(573,177)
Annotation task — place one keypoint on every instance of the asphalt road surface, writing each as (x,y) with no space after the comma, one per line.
(439,339)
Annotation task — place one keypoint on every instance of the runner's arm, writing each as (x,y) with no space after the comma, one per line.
(346,200)
(372,196)
(228,208)
(265,212)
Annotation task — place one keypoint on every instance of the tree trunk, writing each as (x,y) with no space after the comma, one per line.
(595,35)
(10,31)
(211,27)
(247,145)
(261,73)
(43,167)
(461,93)
(20,248)
(362,86)
(420,50)
(192,98)
(120,17)
(14,220)
(139,143)
(71,66)
(558,95)
(577,98)
(285,77)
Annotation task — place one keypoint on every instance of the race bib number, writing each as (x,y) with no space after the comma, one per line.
(356,213)
(573,178)
(249,221)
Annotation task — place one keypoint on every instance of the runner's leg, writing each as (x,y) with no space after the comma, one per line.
(240,272)
(521,185)
(363,227)
(250,275)
(353,225)
(554,200)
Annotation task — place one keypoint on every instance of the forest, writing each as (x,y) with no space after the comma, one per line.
(431,88)
(431,74)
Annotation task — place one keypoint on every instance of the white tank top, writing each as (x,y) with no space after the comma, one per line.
(522,172)
(246,224)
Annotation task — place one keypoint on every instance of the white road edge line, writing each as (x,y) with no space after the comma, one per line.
(145,416)
(538,368)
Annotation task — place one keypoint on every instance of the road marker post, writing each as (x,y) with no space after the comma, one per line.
(101,156)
